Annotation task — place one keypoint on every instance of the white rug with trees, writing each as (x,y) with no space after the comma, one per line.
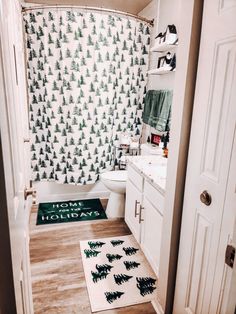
(117,273)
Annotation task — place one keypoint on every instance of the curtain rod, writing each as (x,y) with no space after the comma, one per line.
(151,22)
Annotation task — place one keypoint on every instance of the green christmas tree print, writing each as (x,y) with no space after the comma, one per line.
(91,253)
(113,257)
(104,268)
(95,244)
(146,285)
(131,265)
(99,276)
(121,278)
(117,242)
(130,251)
(112,296)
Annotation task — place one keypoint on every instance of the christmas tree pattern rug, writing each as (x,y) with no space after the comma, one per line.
(117,273)
(69,211)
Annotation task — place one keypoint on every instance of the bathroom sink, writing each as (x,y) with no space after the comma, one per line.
(153,167)
(155,170)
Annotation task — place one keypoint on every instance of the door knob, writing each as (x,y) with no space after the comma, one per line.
(205,198)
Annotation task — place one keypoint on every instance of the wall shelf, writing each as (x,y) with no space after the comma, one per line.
(160,71)
(162,47)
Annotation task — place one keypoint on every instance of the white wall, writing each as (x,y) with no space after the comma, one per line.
(164,12)
(167,14)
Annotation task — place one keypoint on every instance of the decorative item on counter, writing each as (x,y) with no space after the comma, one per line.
(166,139)
(127,146)
(148,139)
(165,152)
(122,163)
(134,142)
(155,139)
(124,140)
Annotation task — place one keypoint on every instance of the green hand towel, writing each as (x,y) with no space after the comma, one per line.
(157,109)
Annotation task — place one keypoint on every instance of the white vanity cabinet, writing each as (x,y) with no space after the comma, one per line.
(134,192)
(144,214)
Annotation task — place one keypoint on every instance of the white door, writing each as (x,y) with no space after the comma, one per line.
(207,228)
(15,145)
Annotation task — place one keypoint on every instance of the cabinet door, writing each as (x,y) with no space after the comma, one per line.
(151,234)
(132,208)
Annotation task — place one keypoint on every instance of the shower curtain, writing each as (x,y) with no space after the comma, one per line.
(87,74)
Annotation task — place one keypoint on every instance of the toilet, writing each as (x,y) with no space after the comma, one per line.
(115,181)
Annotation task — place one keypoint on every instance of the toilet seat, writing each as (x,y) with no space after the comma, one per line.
(119,175)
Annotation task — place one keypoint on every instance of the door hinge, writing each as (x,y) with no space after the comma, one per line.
(230,255)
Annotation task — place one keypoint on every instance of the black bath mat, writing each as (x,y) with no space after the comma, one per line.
(69,211)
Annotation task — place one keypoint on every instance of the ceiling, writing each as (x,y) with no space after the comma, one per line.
(131,6)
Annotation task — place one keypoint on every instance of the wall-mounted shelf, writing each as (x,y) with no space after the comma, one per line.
(160,71)
(162,47)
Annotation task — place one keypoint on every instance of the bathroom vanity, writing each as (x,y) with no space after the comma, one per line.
(145,198)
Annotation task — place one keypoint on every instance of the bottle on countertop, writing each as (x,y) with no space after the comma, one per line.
(166,139)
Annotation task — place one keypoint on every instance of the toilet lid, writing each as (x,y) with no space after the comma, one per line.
(119,175)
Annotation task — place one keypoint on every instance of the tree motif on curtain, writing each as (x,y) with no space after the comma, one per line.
(87,74)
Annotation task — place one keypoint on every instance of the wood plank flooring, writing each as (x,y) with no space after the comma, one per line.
(58,280)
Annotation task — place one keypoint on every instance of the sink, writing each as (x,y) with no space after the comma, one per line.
(153,167)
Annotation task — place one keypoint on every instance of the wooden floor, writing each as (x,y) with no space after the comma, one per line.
(58,280)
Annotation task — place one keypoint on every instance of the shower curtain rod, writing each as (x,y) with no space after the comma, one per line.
(151,22)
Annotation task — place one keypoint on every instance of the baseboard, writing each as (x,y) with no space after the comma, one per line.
(71,196)
(157,307)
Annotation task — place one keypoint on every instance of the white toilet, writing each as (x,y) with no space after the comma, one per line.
(115,181)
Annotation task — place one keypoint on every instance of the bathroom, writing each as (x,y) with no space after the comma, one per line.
(105,98)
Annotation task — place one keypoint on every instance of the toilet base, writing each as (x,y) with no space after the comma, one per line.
(116,205)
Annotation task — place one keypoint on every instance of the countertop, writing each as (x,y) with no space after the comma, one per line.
(153,168)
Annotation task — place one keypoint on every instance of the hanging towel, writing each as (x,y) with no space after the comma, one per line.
(157,109)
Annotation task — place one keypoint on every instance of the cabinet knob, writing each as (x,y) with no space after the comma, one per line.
(205,198)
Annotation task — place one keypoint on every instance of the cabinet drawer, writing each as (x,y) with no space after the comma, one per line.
(154,197)
(135,177)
